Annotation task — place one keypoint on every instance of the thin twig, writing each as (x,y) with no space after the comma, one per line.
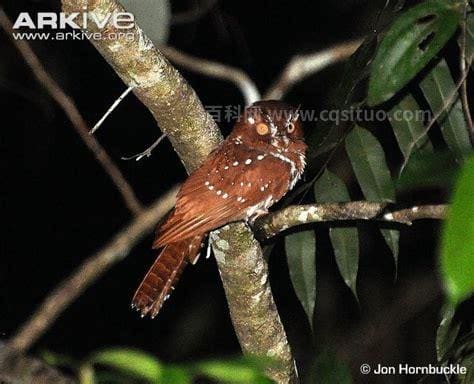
(301,66)
(111,109)
(92,269)
(295,215)
(216,70)
(147,152)
(464,72)
(447,104)
(71,111)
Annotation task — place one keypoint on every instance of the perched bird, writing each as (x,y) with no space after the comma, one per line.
(258,163)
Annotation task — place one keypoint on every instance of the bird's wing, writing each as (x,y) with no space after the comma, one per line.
(232,183)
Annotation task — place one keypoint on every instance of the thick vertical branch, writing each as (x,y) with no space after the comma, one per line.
(244,273)
(194,134)
(159,86)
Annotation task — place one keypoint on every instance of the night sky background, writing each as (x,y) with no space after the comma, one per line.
(58,206)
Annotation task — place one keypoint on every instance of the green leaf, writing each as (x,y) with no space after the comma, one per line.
(409,45)
(407,124)
(457,248)
(392,238)
(153,16)
(447,331)
(426,170)
(86,374)
(132,362)
(330,189)
(175,375)
(468,378)
(58,360)
(301,255)
(245,371)
(368,161)
(438,87)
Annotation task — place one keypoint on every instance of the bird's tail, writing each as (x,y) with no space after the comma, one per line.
(164,274)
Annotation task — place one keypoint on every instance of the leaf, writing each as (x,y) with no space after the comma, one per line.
(86,374)
(447,331)
(330,189)
(371,170)
(175,375)
(457,248)
(407,124)
(468,378)
(425,170)
(368,161)
(438,87)
(301,255)
(328,134)
(132,362)
(153,16)
(409,45)
(245,371)
(392,238)
(58,360)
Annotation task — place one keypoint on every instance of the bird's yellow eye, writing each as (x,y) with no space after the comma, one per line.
(291,127)
(262,129)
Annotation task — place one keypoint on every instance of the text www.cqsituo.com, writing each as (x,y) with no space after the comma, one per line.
(73,35)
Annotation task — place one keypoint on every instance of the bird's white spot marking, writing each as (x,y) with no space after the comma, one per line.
(219,192)
(249,184)
(415,209)
(251,120)
(248,161)
(241,183)
(388,216)
(239,198)
(226,167)
(235,163)
(211,187)
(260,157)
(262,188)
(206,183)
(225,196)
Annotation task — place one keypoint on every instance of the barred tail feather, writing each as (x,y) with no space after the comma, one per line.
(165,272)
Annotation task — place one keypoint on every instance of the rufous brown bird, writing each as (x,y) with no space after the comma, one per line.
(258,163)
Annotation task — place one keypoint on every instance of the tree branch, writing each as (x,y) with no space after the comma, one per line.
(301,66)
(193,134)
(75,117)
(295,215)
(94,267)
(244,274)
(157,84)
(216,70)
(18,369)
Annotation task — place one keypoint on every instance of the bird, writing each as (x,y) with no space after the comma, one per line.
(254,167)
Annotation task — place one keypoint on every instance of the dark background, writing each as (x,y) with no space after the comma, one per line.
(58,206)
